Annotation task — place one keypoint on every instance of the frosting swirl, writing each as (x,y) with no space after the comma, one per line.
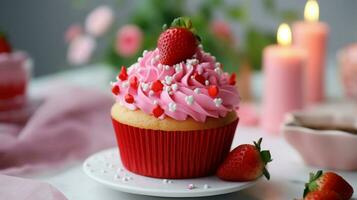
(196,88)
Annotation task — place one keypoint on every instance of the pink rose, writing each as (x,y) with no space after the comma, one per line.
(99,20)
(222,30)
(80,50)
(72,32)
(128,40)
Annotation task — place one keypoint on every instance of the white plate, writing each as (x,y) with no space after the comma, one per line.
(106,168)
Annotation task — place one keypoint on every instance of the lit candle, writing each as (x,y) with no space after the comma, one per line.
(311,35)
(283,67)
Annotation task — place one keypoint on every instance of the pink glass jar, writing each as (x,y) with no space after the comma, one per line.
(15,73)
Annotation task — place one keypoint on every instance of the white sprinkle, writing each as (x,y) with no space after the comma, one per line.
(214,58)
(152,61)
(157,57)
(192,77)
(217,65)
(170,181)
(218,70)
(167,88)
(174,87)
(130,178)
(189,100)
(103,171)
(178,68)
(171,93)
(197,90)
(125,84)
(168,80)
(167,67)
(192,61)
(189,67)
(200,46)
(155,102)
(111,83)
(205,186)
(217,101)
(139,59)
(191,186)
(145,52)
(145,87)
(116,176)
(172,107)
(151,93)
(206,82)
(124,179)
(120,170)
(165,181)
(159,66)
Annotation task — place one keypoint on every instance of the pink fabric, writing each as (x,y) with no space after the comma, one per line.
(69,125)
(17,188)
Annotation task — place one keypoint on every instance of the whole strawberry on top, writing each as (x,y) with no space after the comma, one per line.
(328,181)
(178,42)
(4,44)
(245,163)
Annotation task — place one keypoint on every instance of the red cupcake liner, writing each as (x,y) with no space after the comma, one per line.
(173,154)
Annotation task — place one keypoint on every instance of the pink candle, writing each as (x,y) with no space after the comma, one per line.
(311,35)
(283,67)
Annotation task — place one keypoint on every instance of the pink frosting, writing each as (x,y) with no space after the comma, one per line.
(182,96)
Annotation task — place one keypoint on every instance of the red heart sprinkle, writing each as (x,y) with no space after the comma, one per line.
(213,90)
(199,78)
(232,79)
(129,98)
(134,82)
(116,90)
(123,75)
(157,86)
(157,111)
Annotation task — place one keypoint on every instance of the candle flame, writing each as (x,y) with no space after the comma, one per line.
(311,12)
(284,34)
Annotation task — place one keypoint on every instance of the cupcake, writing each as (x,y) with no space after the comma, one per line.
(174,115)
(14,76)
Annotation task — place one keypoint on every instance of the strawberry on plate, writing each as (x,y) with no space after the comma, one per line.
(4,44)
(178,42)
(245,163)
(323,195)
(328,181)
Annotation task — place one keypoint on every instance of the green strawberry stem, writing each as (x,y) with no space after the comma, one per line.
(312,185)
(183,22)
(265,156)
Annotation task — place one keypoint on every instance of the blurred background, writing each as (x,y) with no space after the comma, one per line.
(39,27)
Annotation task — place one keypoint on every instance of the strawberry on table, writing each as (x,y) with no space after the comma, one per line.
(323,195)
(328,181)
(245,163)
(5,47)
(178,42)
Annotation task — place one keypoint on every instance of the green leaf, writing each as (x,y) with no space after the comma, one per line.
(266,156)
(266,173)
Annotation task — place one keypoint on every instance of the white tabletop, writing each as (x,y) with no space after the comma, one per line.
(288,172)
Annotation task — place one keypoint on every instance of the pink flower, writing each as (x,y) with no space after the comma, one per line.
(222,30)
(72,32)
(80,50)
(99,20)
(128,40)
